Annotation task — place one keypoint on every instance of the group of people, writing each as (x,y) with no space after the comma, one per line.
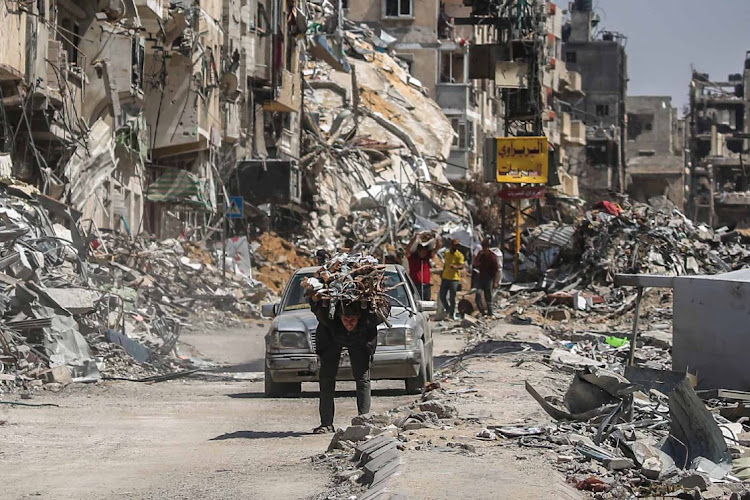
(355,328)
(420,254)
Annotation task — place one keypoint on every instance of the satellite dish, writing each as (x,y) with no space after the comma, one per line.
(229,84)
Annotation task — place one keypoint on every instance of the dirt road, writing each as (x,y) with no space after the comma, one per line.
(179,439)
(216,439)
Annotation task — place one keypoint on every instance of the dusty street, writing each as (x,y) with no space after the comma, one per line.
(222,439)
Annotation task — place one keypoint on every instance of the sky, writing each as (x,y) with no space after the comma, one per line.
(666,37)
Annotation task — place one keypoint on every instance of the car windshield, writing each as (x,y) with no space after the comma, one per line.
(295,296)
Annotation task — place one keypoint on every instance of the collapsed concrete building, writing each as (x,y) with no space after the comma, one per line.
(719,129)
(479,73)
(655,162)
(132,112)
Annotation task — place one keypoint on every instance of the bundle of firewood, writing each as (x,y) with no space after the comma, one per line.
(348,279)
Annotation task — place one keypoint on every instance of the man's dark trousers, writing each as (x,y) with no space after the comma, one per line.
(329,366)
(484,286)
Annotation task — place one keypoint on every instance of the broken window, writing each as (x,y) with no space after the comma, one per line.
(138,57)
(398,8)
(452,67)
(70,35)
(602,110)
(571,57)
(445,24)
(459,138)
(639,123)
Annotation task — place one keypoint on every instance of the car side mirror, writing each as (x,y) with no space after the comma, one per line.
(268,310)
(427,305)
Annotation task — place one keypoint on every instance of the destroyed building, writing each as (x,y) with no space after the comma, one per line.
(436,52)
(655,165)
(133,112)
(602,62)
(719,128)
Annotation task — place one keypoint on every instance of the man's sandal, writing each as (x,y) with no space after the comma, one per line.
(324,429)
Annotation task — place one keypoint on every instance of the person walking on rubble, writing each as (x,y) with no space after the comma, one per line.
(421,249)
(488,277)
(454,263)
(355,329)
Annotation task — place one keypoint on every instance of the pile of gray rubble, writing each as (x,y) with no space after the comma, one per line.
(80,305)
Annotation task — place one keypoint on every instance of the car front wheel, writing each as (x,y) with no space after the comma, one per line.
(415,385)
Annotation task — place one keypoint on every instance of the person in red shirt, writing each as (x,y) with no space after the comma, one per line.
(421,249)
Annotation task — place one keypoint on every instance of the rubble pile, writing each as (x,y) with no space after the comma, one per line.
(78,306)
(275,259)
(373,145)
(177,278)
(637,238)
(644,433)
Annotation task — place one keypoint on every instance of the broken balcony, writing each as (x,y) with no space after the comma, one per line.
(151,9)
(570,84)
(454,98)
(287,97)
(574,132)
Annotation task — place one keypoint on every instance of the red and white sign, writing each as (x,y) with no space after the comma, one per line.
(522,193)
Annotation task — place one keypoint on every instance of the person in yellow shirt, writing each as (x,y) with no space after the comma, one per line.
(454,263)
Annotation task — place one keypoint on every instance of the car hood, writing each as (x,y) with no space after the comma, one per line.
(296,321)
(305,321)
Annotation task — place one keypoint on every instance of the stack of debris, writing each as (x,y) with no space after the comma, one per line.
(374,146)
(639,239)
(646,433)
(78,307)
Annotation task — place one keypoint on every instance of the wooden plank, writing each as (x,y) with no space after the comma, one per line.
(644,280)
(724,394)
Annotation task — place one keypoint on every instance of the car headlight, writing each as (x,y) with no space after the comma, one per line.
(273,340)
(292,340)
(395,336)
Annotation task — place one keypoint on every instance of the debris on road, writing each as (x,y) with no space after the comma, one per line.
(78,305)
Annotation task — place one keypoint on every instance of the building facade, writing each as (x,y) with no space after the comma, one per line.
(655,162)
(602,64)
(134,113)
(436,50)
(718,133)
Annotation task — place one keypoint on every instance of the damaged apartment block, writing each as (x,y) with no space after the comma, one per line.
(134,111)
(719,129)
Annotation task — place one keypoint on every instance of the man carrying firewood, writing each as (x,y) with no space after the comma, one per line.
(355,329)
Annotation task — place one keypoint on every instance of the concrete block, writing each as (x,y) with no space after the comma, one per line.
(375,465)
(619,463)
(373,443)
(386,472)
(356,432)
(372,455)
(75,300)
(440,409)
(374,419)
(59,374)
(698,480)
